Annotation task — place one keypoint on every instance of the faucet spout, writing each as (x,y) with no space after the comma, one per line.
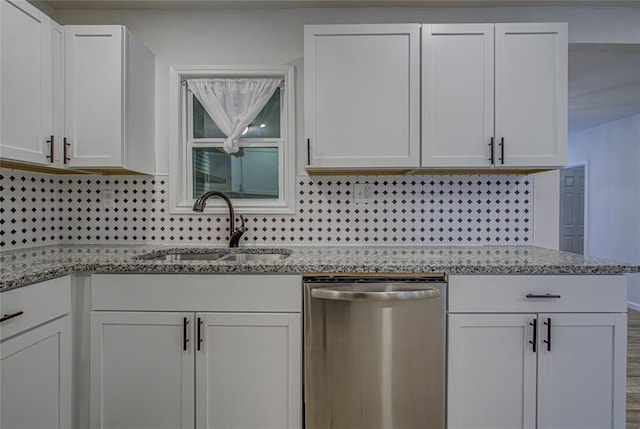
(234,234)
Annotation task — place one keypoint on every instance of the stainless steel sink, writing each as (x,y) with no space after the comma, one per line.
(224,255)
(184,256)
(253,257)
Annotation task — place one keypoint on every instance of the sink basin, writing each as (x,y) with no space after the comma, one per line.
(226,255)
(184,256)
(253,257)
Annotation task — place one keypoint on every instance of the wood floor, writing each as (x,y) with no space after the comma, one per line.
(633,370)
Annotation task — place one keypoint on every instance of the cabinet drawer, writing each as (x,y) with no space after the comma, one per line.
(197,292)
(537,293)
(39,303)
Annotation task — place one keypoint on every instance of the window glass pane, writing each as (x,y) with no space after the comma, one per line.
(266,124)
(250,173)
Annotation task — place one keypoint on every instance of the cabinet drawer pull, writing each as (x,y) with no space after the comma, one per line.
(534,338)
(501,150)
(548,340)
(546,296)
(51,149)
(11,316)
(199,338)
(309,152)
(185,333)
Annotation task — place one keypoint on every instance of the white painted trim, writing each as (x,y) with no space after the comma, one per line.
(179,203)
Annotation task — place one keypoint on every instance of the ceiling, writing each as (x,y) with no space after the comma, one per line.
(604,83)
(604,79)
(211,4)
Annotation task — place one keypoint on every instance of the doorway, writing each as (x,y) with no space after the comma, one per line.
(572,209)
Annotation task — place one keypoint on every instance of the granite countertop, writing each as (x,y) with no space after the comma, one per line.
(22,267)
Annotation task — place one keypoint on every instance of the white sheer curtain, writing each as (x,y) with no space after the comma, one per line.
(233,103)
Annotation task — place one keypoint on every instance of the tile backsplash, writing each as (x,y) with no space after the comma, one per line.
(40,209)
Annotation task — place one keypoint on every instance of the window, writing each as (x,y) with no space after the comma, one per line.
(259,178)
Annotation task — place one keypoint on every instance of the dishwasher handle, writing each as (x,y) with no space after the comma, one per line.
(376,292)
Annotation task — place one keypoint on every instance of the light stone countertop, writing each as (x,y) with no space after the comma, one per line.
(22,267)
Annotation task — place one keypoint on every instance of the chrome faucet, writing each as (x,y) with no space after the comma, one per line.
(234,233)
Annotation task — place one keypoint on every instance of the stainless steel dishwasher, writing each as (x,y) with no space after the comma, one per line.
(374,352)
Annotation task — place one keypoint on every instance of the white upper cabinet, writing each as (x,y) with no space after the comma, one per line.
(109,99)
(457,95)
(31,64)
(362,96)
(531,94)
(494,95)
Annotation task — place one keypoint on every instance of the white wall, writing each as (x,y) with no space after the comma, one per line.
(235,37)
(613,191)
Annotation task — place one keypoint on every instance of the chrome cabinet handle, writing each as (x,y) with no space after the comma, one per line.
(380,292)
(11,316)
(545,296)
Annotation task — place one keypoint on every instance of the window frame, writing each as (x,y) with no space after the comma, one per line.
(180,171)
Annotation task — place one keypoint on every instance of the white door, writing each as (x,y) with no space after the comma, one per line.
(142,369)
(248,371)
(94,97)
(491,371)
(362,95)
(531,94)
(25,83)
(35,373)
(457,95)
(572,182)
(581,373)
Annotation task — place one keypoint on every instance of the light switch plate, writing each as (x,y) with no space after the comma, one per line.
(108,199)
(363,193)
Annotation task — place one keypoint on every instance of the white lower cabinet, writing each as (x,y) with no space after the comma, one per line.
(35,357)
(226,368)
(535,369)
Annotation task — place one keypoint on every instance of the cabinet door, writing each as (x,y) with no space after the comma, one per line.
(248,371)
(457,95)
(491,371)
(25,82)
(35,369)
(531,94)
(94,99)
(141,374)
(362,95)
(581,374)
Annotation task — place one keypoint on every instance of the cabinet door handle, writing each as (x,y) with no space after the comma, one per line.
(66,145)
(491,157)
(199,333)
(51,142)
(548,340)
(309,152)
(545,296)
(11,316)
(534,338)
(185,333)
(502,150)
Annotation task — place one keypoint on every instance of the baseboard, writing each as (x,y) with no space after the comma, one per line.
(633,305)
